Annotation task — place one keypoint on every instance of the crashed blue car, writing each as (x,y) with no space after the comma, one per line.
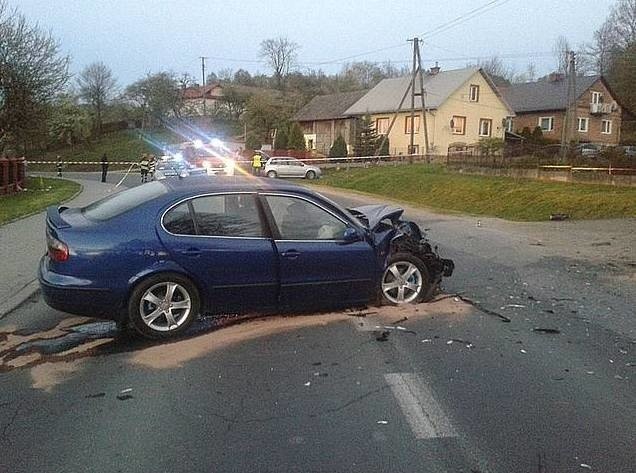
(158,255)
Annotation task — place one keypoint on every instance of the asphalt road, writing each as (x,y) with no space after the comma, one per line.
(535,373)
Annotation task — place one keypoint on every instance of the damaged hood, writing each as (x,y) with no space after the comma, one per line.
(374,214)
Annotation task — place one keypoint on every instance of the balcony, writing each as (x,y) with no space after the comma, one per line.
(600,108)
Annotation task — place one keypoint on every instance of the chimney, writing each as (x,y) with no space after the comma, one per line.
(556,77)
(434,70)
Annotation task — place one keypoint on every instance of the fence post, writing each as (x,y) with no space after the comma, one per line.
(4,175)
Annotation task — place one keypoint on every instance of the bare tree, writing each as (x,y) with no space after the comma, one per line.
(499,72)
(280,55)
(560,50)
(97,87)
(32,74)
(623,21)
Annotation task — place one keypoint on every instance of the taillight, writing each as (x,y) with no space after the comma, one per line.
(58,251)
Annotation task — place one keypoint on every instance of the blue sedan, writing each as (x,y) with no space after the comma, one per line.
(158,255)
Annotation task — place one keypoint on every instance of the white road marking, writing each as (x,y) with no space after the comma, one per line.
(423,413)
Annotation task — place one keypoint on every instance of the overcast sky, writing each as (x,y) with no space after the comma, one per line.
(134,37)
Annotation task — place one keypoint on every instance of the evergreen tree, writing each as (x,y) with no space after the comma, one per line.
(296,139)
(282,138)
(339,148)
(367,138)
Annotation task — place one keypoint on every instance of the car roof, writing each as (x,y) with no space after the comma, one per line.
(194,184)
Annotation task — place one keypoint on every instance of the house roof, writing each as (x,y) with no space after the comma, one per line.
(328,107)
(198,92)
(386,96)
(544,95)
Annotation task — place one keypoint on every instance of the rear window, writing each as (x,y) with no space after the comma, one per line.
(117,204)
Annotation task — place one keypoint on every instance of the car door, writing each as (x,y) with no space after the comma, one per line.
(221,241)
(318,268)
(296,168)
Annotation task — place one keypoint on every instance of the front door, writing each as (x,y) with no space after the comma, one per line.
(317,267)
(220,240)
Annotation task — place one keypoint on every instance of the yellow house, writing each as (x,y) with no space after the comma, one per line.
(462,106)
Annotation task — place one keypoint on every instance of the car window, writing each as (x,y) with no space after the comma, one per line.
(179,220)
(298,219)
(233,215)
(117,204)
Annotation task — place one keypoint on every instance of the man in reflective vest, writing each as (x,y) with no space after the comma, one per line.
(256,164)
(144,166)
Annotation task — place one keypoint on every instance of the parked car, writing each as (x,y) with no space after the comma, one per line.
(630,151)
(589,150)
(290,167)
(160,254)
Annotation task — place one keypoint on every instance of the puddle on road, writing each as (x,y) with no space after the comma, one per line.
(57,352)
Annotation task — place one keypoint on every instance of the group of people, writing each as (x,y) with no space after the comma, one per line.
(147,167)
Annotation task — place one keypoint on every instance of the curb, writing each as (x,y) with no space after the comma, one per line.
(19,298)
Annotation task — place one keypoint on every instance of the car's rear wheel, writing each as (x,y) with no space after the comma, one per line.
(311,175)
(271,174)
(405,280)
(163,306)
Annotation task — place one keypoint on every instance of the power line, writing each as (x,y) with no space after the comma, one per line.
(465,17)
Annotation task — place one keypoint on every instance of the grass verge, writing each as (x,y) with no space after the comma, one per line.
(39,194)
(436,188)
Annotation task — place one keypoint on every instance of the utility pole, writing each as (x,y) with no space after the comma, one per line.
(203,58)
(423,100)
(567,133)
(413,76)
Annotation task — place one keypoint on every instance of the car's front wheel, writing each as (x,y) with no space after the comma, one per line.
(271,174)
(163,306)
(311,175)
(405,280)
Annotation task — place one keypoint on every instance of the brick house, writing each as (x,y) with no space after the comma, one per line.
(544,103)
(323,119)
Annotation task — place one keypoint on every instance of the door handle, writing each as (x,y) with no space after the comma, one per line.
(291,254)
(191,252)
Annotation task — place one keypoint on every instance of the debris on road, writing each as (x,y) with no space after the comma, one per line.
(382,422)
(403,319)
(523,351)
(559,217)
(382,336)
(546,330)
(397,327)
(308,383)
(125,394)
(585,465)
(96,395)
(514,306)
(481,308)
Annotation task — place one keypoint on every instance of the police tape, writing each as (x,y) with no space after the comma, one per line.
(82,162)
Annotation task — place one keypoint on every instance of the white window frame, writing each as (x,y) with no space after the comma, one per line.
(609,127)
(551,124)
(586,128)
(455,130)
(388,122)
(482,121)
(473,93)
(407,122)
(596,97)
(509,124)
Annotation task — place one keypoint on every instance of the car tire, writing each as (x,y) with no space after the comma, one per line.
(311,175)
(154,315)
(405,280)
(271,174)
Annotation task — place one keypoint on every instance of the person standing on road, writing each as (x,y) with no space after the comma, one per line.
(256,164)
(151,166)
(144,166)
(104,164)
(58,165)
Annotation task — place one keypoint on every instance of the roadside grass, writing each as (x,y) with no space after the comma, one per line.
(437,188)
(39,194)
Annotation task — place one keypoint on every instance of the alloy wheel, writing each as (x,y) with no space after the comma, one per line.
(402,282)
(165,306)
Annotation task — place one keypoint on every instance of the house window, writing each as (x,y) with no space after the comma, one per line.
(596,97)
(415,149)
(458,125)
(407,124)
(606,127)
(473,95)
(546,123)
(584,124)
(485,126)
(508,124)
(382,126)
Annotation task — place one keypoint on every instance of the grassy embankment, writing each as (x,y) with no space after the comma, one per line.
(119,146)
(39,194)
(438,189)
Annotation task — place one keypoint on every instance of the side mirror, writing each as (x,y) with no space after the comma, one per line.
(351,235)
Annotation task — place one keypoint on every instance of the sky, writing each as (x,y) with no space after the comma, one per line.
(136,37)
